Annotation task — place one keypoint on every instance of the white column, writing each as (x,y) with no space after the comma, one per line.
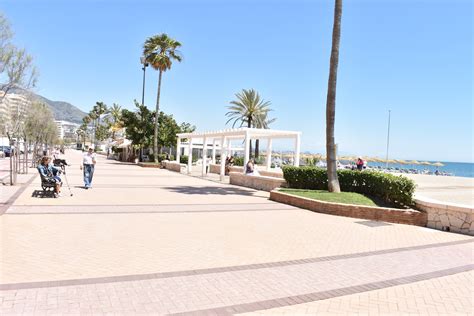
(190,155)
(178,150)
(214,151)
(229,147)
(297,150)
(247,149)
(269,154)
(204,156)
(223,157)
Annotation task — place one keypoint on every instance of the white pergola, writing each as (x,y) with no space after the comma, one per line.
(221,140)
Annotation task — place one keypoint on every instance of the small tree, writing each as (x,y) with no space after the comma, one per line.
(139,125)
(39,127)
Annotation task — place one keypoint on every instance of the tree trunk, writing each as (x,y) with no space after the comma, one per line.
(333,182)
(257,151)
(249,124)
(157,114)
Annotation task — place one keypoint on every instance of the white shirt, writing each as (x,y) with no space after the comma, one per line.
(88,159)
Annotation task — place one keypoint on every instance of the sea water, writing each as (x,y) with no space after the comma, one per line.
(458,169)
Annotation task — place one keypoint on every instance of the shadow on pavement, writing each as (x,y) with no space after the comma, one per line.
(209,190)
(42,194)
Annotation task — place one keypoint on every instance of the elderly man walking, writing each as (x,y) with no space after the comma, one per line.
(88,164)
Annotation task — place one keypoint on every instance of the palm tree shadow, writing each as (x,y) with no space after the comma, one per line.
(206,190)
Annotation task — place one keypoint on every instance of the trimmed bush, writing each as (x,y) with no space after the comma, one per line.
(395,190)
(183,159)
(239,161)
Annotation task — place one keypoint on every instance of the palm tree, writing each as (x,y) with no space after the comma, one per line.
(160,51)
(116,114)
(333,182)
(263,123)
(86,120)
(99,109)
(249,109)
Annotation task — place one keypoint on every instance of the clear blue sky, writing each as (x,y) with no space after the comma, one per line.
(413,57)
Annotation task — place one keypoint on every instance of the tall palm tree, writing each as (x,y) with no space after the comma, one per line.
(99,109)
(249,109)
(116,114)
(333,182)
(263,123)
(160,51)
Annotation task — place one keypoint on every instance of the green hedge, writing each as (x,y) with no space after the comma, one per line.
(161,157)
(183,159)
(395,190)
(239,161)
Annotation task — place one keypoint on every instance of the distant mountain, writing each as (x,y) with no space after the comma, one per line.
(62,111)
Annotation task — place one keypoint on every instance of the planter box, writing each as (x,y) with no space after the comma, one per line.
(172,165)
(392,215)
(149,165)
(256,182)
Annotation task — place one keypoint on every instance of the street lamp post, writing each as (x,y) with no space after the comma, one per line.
(388,139)
(145,64)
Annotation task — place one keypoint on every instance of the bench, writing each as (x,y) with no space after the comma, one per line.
(47,184)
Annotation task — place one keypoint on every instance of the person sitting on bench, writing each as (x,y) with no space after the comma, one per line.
(50,173)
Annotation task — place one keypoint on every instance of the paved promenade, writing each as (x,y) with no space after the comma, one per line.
(151,241)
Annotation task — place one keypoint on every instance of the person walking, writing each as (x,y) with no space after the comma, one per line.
(88,164)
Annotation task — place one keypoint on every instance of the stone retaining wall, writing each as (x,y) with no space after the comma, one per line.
(447,217)
(214,168)
(172,165)
(149,165)
(255,182)
(392,215)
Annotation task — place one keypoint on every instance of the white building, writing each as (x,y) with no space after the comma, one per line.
(67,129)
(12,107)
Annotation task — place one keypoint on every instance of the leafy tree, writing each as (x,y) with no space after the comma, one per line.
(101,127)
(249,109)
(39,126)
(139,125)
(16,65)
(160,51)
(333,182)
(186,128)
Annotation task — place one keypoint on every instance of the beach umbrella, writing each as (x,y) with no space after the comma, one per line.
(414,162)
(425,163)
(438,164)
(402,162)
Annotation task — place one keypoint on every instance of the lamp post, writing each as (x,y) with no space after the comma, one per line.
(145,64)
(388,139)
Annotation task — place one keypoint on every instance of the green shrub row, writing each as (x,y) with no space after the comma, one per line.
(183,159)
(161,157)
(395,190)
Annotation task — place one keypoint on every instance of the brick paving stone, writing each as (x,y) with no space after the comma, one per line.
(153,241)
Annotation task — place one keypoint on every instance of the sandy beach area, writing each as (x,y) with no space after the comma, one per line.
(457,190)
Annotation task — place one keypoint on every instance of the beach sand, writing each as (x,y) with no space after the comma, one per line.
(458,190)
